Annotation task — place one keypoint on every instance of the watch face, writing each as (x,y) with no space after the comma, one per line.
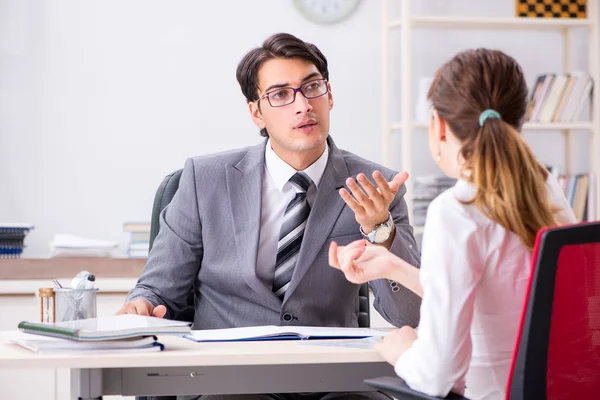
(382,234)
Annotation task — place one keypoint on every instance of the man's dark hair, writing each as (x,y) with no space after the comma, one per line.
(280,45)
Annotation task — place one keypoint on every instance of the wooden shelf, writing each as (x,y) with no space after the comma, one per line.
(514,23)
(528,126)
(51,268)
(570,126)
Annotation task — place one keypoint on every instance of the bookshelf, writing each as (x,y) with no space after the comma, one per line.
(407,23)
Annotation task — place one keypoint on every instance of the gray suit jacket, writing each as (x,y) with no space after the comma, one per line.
(208,242)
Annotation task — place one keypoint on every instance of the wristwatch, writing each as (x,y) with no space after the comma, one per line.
(381,232)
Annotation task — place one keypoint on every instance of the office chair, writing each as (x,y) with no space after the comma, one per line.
(557,352)
(163,197)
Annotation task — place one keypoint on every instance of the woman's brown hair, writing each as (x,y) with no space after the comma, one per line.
(510,183)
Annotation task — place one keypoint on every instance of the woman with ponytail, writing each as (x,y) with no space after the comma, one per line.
(478,237)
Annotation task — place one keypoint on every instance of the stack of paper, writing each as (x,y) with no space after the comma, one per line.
(74,246)
(45,344)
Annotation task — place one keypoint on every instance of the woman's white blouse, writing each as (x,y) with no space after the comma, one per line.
(474,275)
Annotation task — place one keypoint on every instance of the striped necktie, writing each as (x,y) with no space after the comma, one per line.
(290,236)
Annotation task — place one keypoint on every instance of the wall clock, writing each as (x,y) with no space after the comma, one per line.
(326,11)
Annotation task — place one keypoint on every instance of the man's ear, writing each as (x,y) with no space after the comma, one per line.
(330,96)
(256,114)
(439,126)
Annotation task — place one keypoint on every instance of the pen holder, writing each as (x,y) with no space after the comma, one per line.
(73,304)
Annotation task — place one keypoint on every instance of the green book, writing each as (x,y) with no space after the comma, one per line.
(107,328)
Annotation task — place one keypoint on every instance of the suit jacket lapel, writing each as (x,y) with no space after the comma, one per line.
(323,215)
(244,189)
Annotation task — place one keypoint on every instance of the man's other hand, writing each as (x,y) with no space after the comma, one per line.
(142,307)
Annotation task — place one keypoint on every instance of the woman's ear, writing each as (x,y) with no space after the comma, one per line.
(439,126)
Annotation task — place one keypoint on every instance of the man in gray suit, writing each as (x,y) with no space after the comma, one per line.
(248,230)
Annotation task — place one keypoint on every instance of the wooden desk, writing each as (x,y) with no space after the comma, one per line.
(186,367)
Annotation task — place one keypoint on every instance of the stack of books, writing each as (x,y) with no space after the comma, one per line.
(139,240)
(560,97)
(425,189)
(96,335)
(12,239)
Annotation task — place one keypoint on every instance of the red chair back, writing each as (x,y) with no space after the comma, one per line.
(558,348)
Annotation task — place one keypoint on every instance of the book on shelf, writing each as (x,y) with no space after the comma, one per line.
(580,197)
(139,239)
(272,332)
(579,192)
(107,328)
(541,95)
(559,97)
(553,98)
(136,227)
(564,99)
(47,345)
(535,96)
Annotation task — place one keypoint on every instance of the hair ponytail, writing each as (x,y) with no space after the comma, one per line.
(482,96)
(510,183)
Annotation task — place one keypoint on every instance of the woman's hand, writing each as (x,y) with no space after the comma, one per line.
(362,262)
(395,343)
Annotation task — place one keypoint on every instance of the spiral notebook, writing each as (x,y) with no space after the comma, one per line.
(107,328)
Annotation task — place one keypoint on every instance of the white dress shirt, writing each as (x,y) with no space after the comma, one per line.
(474,275)
(277,192)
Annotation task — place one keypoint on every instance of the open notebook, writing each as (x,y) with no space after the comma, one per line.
(272,332)
(107,328)
(46,344)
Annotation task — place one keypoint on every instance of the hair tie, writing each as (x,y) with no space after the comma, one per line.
(489,113)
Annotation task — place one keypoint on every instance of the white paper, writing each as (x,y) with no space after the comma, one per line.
(64,245)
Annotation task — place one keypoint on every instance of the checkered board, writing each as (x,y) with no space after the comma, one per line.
(551,8)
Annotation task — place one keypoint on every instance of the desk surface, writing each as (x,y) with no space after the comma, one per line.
(182,352)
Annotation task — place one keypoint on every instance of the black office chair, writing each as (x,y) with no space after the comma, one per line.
(163,197)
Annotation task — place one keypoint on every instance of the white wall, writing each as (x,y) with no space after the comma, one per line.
(100,99)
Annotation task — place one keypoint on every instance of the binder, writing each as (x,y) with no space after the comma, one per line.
(107,328)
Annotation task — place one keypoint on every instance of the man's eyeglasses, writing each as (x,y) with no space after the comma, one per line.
(284,96)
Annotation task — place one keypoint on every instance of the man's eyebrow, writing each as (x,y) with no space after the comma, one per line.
(284,85)
(310,76)
(276,86)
